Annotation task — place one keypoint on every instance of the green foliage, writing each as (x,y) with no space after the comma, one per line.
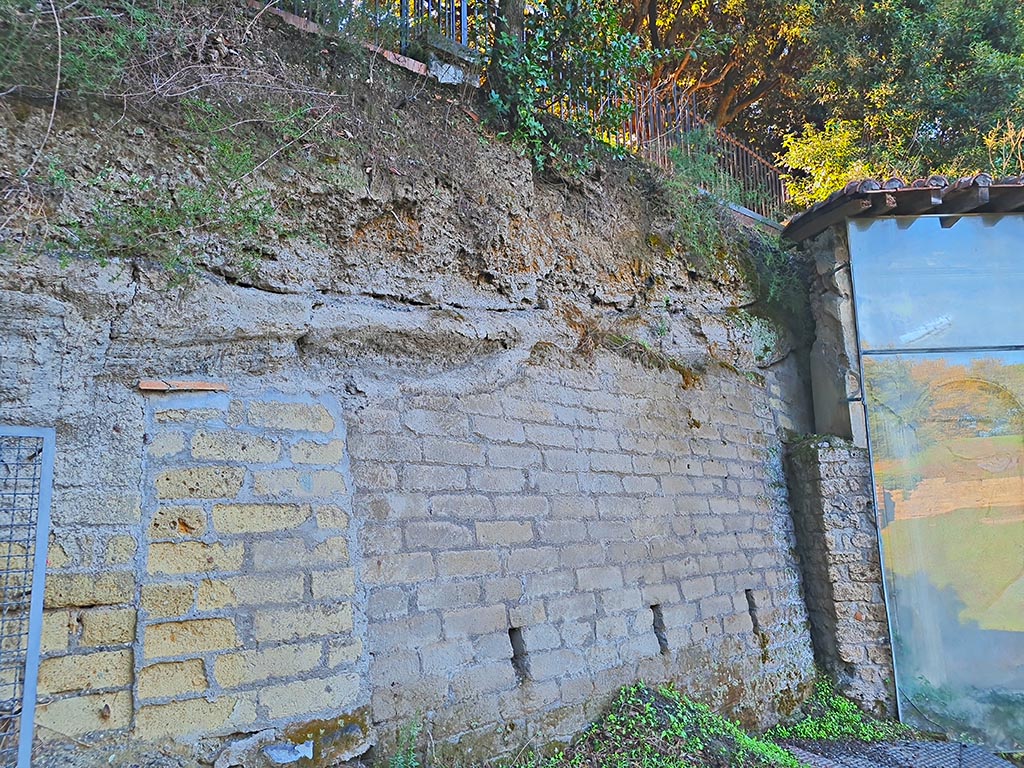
(578,63)
(1005,145)
(174,223)
(405,750)
(832,717)
(828,158)
(699,188)
(99,42)
(124,48)
(741,57)
(233,158)
(140,218)
(778,280)
(909,88)
(660,728)
(98,50)
(711,237)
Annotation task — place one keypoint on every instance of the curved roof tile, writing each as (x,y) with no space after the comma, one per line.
(867,198)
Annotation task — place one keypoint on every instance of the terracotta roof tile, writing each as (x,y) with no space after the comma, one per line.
(868,198)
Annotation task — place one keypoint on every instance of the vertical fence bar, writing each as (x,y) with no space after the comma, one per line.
(26,485)
(403,26)
(35,621)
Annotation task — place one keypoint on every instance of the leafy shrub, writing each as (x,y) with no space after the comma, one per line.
(711,237)
(576,62)
(661,728)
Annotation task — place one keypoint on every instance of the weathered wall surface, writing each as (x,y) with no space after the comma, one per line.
(830,488)
(303,545)
(413,475)
(584,508)
(834,363)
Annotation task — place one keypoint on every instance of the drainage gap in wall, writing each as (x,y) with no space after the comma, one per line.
(760,634)
(659,628)
(520,659)
(752,610)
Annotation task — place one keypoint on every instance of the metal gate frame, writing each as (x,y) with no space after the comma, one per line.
(26,729)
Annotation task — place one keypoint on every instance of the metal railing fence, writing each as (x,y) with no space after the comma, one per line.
(666,125)
(26,481)
(662,120)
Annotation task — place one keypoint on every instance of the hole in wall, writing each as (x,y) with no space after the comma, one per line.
(659,628)
(759,633)
(752,610)
(520,658)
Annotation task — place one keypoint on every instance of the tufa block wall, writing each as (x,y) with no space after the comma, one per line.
(830,486)
(528,550)
(239,611)
(247,567)
(397,512)
(495,561)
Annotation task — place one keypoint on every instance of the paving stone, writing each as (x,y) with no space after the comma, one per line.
(903,754)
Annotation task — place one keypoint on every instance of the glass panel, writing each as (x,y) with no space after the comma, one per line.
(922,286)
(942,345)
(947,439)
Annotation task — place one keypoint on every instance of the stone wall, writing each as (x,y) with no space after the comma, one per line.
(617,525)
(834,363)
(401,480)
(321,547)
(830,487)
(234,593)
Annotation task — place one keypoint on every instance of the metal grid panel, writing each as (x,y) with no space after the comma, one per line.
(26,467)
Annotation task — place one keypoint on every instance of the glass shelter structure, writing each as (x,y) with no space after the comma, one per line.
(937,369)
(941,337)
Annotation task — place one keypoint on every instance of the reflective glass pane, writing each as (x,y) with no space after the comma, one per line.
(920,285)
(947,437)
(942,348)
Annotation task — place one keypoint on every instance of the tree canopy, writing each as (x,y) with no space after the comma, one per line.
(844,89)
(733,54)
(910,88)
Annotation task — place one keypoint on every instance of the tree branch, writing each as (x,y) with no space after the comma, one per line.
(56,92)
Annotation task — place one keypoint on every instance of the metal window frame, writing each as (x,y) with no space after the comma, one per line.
(26,731)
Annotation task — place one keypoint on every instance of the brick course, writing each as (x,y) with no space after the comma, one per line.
(284,539)
(246,614)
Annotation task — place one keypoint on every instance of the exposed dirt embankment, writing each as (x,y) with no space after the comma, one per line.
(303,168)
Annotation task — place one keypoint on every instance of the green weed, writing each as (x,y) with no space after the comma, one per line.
(712,239)
(661,728)
(98,43)
(141,219)
(637,350)
(405,755)
(97,50)
(832,717)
